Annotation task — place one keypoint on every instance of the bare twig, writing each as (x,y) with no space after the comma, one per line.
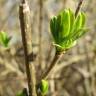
(78,7)
(53,63)
(40,31)
(24,15)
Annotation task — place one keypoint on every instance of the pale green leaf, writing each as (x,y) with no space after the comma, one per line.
(65,23)
(72,19)
(4,39)
(77,23)
(79,33)
(83,19)
(53,27)
(44,87)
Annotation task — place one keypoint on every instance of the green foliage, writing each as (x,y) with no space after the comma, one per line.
(67,29)
(44,87)
(22,93)
(4,39)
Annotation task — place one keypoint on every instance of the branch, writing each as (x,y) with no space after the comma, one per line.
(78,7)
(25,24)
(40,32)
(53,63)
(57,56)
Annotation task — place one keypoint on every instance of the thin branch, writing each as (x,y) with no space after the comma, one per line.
(78,7)
(25,24)
(40,31)
(53,63)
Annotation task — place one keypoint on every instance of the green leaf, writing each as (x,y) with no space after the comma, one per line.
(66,44)
(77,23)
(83,19)
(22,93)
(59,27)
(53,27)
(4,39)
(65,20)
(80,33)
(66,29)
(44,87)
(72,19)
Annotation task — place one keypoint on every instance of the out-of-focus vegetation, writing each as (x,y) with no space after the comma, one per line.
(75,74)
(4,39)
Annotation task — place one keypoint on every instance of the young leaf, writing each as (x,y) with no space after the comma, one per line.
(83,19)
(72,19)
(44,87)
(79,33)
(22,93)
(59,26)
(77,23)
(66,44)
(65,23)
(53,26)
(67,29)
(4,39)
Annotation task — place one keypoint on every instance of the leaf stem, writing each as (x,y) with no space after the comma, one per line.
(53,63)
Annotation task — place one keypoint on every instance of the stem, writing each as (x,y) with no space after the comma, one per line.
(58,56)
(25,24)
(53,63)
(78,7)
(40,31)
